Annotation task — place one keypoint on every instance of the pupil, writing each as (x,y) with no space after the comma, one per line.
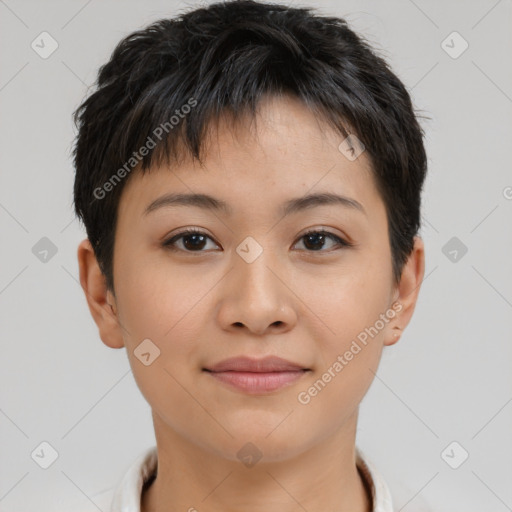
(193,245)
(315,237)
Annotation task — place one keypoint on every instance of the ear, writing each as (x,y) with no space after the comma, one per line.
(407,292)
(101,301)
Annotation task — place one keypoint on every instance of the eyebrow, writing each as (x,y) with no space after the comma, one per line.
(291,206)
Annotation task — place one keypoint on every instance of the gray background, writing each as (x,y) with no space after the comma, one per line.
(448,379)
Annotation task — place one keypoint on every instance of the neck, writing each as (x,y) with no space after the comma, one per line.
(190,478)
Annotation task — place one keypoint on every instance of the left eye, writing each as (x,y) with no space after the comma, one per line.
(194,241)
(316,238)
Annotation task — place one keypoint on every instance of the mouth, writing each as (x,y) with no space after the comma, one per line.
(257,376)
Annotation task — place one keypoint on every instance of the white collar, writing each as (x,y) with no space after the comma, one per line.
(127,495)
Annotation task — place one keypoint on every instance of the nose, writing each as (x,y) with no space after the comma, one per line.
(257,297)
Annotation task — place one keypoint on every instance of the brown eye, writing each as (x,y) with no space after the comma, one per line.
(192,241)
(314,241)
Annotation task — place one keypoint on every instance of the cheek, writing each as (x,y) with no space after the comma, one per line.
(351,302)
(163,306)
(351,308)
(157,304)
(158,299)
(349,348)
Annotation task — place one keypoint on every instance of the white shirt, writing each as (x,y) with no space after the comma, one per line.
(127,495)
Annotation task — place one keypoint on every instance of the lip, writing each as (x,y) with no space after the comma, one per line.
(257,376)
(247,364)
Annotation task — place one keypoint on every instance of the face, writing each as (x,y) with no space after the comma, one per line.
(312,285)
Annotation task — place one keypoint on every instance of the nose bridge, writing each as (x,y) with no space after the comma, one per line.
(256,296)
(253,264)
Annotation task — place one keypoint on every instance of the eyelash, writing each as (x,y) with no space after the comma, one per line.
(169,244)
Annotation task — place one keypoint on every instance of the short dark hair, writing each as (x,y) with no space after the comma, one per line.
(224,58)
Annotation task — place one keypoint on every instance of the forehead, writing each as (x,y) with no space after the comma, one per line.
(284,152)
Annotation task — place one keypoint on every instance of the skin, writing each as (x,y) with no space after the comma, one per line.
(293,301)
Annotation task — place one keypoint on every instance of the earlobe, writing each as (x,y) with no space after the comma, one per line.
(408,291)
(101,301)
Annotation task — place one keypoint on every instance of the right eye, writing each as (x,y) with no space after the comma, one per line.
(192,241)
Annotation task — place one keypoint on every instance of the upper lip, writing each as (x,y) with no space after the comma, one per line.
(248,364)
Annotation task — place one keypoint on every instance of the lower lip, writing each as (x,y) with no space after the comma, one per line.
(253,383)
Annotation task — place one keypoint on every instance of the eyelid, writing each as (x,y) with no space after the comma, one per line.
(342,239)
(324,229)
